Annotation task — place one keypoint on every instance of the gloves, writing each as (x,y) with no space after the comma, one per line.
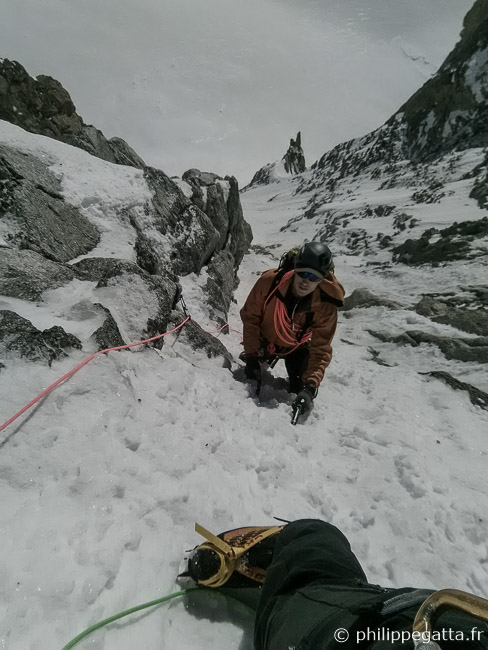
(253,368)
(305,398)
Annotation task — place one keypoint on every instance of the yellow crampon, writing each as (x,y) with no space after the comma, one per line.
(230,548)
(439,602)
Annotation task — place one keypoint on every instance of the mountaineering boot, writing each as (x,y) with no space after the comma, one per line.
(236,558)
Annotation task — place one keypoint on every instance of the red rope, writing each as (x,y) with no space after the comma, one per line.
(195,324)
(207,332)
(282,322)
(278,286)
(83,363)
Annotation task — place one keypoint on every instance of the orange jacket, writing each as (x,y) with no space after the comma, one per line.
(322,303)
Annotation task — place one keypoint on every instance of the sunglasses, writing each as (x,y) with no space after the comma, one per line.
(308,276)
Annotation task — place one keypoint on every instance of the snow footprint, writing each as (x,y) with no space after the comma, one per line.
(409,477)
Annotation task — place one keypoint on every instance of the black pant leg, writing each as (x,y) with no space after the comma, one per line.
(296,363)
(315,585)
(307,551)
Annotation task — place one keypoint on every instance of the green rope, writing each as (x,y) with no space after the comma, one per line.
(138,608)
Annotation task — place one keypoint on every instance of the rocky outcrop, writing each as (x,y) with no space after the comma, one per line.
(239,233)
(199,182)
(114,150)
(41,105)
(132,298)
(477,396)
(200,179)
(19,337)
(222,270)
(220,285)
(363,298)
(292,163)
(130,284)
(462,349)
(198,339)
(181,235)
(467,312)
(449,113)
(190,233)
(263,176)
(107,335)
(219,199)
(26,274)
(294,158)
(39,219)
(453,243)
(479,191)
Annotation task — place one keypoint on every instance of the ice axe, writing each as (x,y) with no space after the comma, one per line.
(297,411)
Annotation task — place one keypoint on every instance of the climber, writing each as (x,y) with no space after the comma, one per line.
(291,313)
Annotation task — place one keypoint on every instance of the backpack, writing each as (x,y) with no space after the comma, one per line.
(287,261)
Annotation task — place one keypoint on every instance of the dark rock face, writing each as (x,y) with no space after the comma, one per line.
(261,177)
(26,274)
(118,274)
(461,349)
(198,339)
(220,285)
(221,203)
(114,150)
(239,233)
(454,244)
(216,210)
(222,270)
(101,269)
(43,106)
(293,163)
(173,235)
(190,231)
(108,335)
(19,336)
(454,310)
(364,298)
(477,396)
(40,219)
(480,187)
(219,200)
(39,105)
(449,113)
(200,179)
(123,154)
(294,158)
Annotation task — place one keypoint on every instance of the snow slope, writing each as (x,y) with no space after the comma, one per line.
(103,480)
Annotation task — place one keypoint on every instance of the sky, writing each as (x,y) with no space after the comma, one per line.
(223,85)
